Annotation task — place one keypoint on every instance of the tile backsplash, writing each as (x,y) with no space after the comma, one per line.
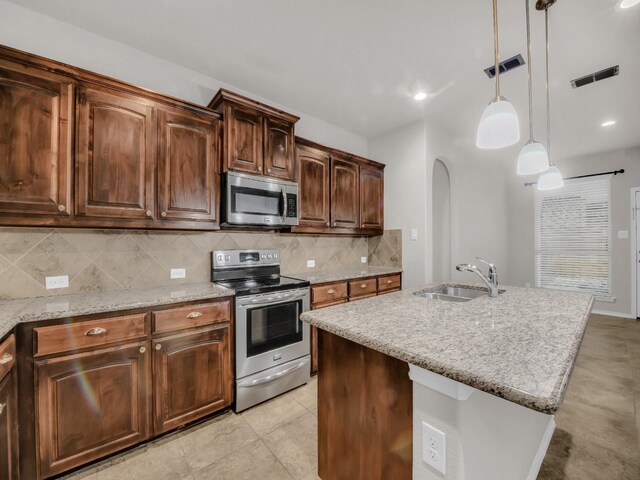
(106,260)
(386,250)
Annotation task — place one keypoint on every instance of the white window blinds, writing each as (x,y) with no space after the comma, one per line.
(573,237)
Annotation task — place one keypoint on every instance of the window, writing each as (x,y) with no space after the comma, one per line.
(573,237)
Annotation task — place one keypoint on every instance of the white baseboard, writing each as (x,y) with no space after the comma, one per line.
(613,314)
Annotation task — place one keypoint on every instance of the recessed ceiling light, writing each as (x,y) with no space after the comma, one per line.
(608,123)
(628,3)
(422,95)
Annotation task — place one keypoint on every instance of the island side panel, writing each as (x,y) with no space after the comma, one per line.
(365,411)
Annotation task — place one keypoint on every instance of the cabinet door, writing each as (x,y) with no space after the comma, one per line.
(279,149)
(243,139)
(8,428)
(36,141)
(115,155)
(91,404)
(193,376)
(345,194)
(313,186)
(371,197)
(188,181)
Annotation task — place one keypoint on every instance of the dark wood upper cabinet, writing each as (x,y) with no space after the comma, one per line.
(91,404)
(345,193)
(188,180)
(8,428)
(258,139)
(279,154)
(193,376)
(116,151)
(371,197)
(313,186)
(36,140)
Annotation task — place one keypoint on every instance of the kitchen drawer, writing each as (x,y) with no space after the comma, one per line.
(331,293)
(362,297)
(7,356)
(362,288)
(86,334)
(190,317)
(390,282)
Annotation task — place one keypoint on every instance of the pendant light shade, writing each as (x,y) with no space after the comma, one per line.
(551,179)
(532,159)
(499,125)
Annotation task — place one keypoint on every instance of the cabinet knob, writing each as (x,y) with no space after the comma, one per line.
(6,358)
(259,169)
(389,281)
(328,224)
(95,332)
(268,170)
(163,214)
(158,346)
(148,213)
(364,285)
(20,183)
(143,349)
(2,407)
(333,224)
(331,291)
(61,208)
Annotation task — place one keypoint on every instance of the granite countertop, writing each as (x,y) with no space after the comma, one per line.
(344,274)
(13,312)
(520,346)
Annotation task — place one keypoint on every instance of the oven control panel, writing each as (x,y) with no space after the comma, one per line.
(245,258)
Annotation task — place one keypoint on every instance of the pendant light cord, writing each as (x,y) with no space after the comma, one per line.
(546,36)
(495,47)
(529,65)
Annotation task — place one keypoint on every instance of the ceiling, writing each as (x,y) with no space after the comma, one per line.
(357,63)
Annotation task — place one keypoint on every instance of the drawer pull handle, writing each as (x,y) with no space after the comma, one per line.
(389,281)
(158,346)
(2,407)
(364,285)
(143,349)
(95,331)
(6,358)
(331,291)
(194,315)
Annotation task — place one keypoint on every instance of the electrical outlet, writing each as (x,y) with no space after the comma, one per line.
(61,281)
(311,263)
(433,447)
(414,234)
(178,273)
(363,259)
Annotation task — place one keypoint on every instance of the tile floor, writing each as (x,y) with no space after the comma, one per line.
(597,434)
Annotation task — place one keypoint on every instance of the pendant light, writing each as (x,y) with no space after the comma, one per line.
(552,178)
(533,156)
(499,126)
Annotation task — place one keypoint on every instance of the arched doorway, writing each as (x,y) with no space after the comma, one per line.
(441,201)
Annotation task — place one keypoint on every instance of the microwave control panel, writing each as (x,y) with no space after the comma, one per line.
(292,206)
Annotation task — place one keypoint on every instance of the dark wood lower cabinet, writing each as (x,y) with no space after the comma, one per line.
(8,428)
(91,404)
(365,413)
(193,376)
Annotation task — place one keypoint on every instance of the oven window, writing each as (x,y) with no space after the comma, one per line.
(272,327)
(255,201)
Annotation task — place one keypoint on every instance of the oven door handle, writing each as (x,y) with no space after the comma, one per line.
(271,300)
(272,378)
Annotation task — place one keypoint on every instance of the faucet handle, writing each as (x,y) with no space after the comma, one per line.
(491,265)
(493,270)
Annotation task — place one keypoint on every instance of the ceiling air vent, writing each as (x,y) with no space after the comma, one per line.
(595,77)
(508,64)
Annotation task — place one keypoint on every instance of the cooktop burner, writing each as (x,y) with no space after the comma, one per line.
(252,286)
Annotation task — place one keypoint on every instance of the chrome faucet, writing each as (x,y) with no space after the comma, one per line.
(491,280)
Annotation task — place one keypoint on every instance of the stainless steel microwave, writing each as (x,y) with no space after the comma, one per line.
(258,201)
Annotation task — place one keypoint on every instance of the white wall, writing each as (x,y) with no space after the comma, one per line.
(69,44)
(521,222)
(478,199)
(441,197)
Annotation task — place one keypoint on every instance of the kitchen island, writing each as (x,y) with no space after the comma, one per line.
(488,373)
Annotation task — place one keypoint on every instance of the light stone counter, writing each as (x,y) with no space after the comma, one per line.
(13,312)
(327,276)
(520,346)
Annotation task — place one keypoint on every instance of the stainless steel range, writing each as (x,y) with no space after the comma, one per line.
(272,343)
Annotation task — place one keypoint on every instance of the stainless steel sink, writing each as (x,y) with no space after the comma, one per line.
(452,294)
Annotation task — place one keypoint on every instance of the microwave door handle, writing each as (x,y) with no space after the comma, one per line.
(284,204)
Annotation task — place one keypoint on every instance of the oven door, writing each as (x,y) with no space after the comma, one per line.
(269,331)
(251,200)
